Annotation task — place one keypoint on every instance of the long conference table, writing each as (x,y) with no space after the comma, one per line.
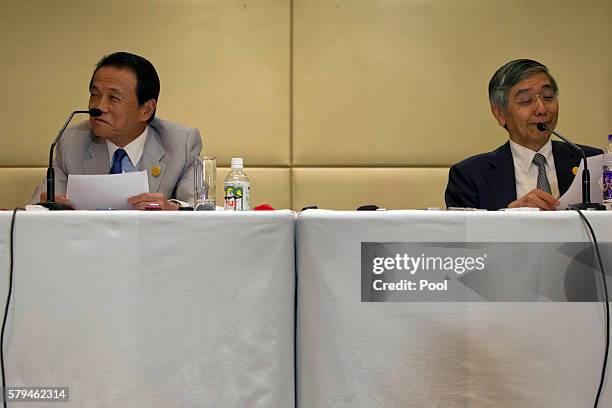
(137,309)
(150,309)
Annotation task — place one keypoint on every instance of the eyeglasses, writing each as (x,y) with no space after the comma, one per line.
(530,98)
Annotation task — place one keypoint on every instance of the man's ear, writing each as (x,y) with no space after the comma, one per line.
(499,116)
(147,109)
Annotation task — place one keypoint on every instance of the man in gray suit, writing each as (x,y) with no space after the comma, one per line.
(128,137)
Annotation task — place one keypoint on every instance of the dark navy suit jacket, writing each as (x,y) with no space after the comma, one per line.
(487,180)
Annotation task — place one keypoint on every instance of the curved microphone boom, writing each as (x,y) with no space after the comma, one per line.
(542,127)
(51,204)
(586,176)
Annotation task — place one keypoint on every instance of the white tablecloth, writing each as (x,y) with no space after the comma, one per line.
(406,354)
(144,309)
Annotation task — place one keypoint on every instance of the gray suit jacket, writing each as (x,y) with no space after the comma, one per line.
(170,146)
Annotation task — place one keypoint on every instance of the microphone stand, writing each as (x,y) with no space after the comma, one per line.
(586,203)
(50,203)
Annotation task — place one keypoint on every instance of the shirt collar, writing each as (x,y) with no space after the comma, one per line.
(524,156)
(134,149)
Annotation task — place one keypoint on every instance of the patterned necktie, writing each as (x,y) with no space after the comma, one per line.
(543,184)
(118,157)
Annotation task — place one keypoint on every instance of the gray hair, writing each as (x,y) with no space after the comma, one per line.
(511,74)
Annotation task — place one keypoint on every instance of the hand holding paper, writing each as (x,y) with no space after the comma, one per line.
(90,192)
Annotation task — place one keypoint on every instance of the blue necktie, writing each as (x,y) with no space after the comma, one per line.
(118,157)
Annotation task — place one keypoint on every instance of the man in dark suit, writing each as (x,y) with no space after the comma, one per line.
(529,166)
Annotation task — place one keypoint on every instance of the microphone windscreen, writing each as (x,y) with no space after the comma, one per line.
(95,112)
(542,127)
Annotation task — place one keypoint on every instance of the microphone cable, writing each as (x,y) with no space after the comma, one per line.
(8,302)
(607,307)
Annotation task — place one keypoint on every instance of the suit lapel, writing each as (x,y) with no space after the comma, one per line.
(99,162)
(565,160)
(151,157)
(500,178)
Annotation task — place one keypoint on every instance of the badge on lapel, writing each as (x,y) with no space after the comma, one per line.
(575,170)
(156,171)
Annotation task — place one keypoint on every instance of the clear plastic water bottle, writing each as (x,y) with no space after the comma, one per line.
(237,188)
(607,172)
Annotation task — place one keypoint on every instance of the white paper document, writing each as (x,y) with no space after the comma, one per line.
(574,194)
(90,192)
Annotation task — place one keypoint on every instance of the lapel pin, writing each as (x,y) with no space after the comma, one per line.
(575,171)
(156,171)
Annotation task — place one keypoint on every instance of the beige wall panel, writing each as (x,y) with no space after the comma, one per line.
(388,82)
(223,64)
(17,185)
(268,186)
(349,188)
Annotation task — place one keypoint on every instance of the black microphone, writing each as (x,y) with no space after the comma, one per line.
(586,175)
(51,204)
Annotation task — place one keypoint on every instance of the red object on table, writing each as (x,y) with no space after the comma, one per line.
(264,207)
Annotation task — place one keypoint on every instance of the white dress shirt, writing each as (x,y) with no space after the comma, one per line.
(133,149)
(526,173)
